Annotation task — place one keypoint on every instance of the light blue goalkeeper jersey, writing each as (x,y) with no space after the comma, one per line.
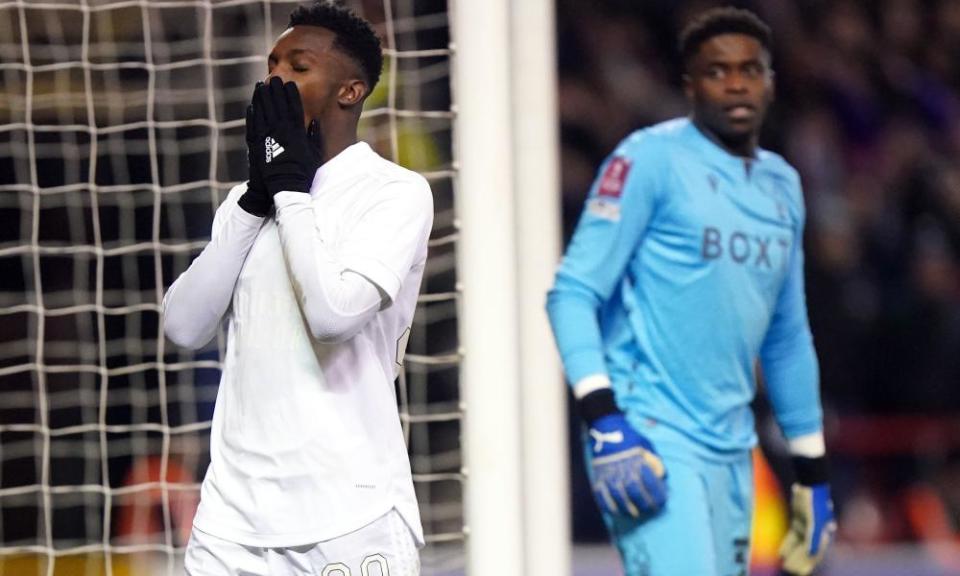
(686,268)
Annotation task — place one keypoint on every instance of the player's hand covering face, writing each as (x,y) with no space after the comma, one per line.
(256,200)
(285,154)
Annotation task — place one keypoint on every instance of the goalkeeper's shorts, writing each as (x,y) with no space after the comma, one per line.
(704,528)
(386,544)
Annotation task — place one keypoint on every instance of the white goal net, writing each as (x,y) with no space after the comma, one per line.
(121,131)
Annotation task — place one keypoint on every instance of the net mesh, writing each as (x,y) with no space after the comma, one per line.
(121,131)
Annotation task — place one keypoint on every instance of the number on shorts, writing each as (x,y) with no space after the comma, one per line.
(370,560)
(339,569)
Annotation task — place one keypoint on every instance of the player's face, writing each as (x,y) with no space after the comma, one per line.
(730,85)
(326,78)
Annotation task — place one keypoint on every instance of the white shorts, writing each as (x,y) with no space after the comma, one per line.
(385,547)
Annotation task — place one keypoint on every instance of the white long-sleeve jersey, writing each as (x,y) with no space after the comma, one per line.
(306,442)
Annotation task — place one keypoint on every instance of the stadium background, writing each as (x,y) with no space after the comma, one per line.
(95,409)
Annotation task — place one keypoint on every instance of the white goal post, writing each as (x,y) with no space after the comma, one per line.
(508,197)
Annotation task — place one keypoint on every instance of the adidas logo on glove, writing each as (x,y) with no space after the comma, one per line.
(273,148)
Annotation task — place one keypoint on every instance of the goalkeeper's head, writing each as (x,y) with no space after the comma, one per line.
(334,57)
(727,75)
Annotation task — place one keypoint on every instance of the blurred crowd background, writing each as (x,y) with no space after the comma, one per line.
(867,110)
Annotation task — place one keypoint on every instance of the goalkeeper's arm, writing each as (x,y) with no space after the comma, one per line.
(812,521)
(792,376)
(629,478)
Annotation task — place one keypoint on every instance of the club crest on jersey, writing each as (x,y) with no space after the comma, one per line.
(273,148)
(606,204)
(614,177)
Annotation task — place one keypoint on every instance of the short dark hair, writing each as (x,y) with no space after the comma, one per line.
(354,36)
(717,21)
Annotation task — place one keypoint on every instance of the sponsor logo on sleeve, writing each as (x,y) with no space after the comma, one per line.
(602,208)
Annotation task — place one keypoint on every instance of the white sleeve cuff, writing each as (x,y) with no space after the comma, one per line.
(245,218)
(285,199)
(808,445)
(589,384)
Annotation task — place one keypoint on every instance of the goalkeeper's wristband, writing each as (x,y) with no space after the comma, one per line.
(598,404)
(811,471)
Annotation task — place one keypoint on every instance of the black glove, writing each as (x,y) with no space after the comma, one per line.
(285,154)
(256,200)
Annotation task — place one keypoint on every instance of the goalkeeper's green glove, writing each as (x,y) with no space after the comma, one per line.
(629,478)
(812,523)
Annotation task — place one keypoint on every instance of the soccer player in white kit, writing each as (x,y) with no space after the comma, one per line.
(316,263)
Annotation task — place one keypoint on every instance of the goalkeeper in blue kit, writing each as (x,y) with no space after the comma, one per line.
(686,268)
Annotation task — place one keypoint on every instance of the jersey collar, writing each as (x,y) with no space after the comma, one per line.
(343,164)
(703,143)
